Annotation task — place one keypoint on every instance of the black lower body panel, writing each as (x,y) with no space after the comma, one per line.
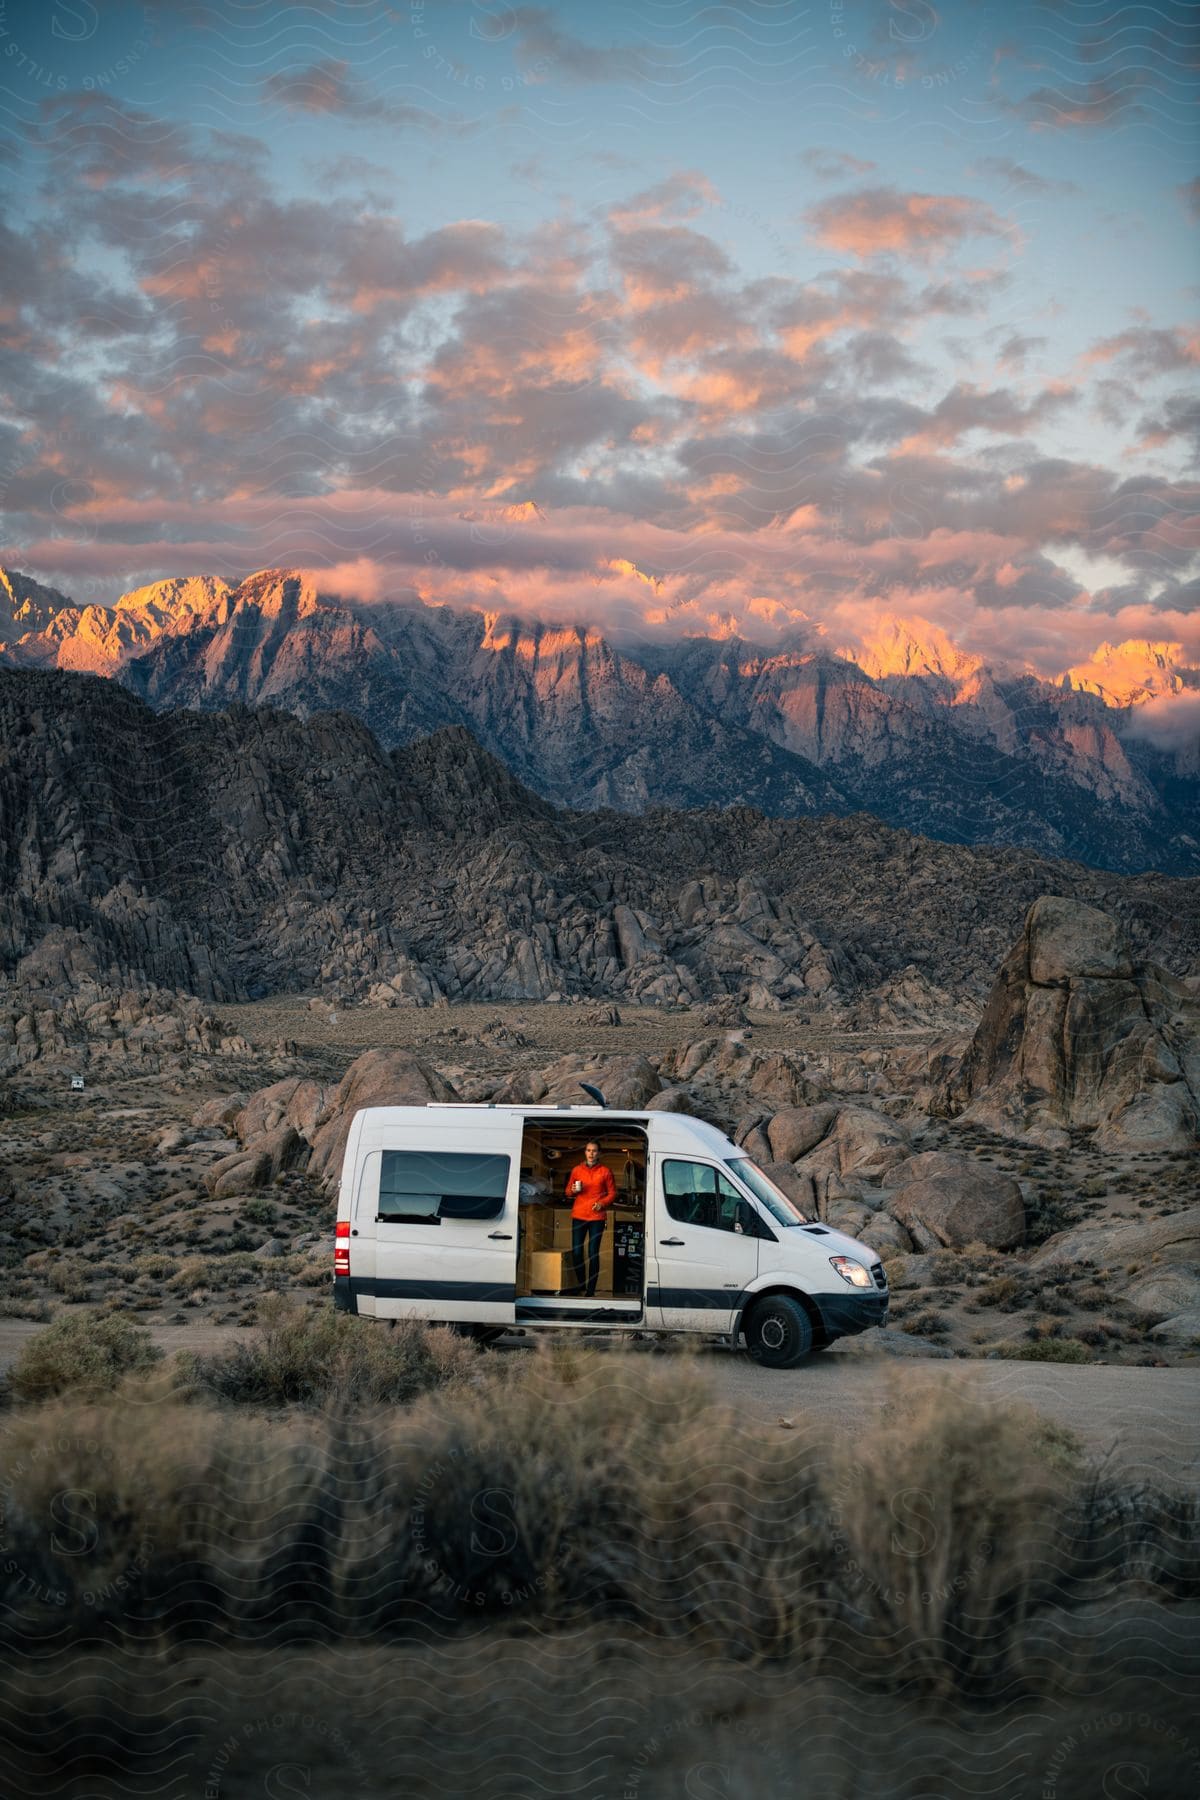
(844,1315)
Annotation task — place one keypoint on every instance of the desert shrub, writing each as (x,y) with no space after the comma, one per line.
(1007,1292)
(926,1324)
(1103,1331)
(312,1354)
(192,1272)
(568,1487)
(1046,1349)
(314,1270)
(155,1264)
(70,1277)
(1092,1295)
(21,1306)
(1046,1213)
(258,1211)
(87,1353)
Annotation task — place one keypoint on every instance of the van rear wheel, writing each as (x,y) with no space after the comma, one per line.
(779,1333)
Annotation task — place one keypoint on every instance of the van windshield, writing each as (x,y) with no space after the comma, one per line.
(785,1211)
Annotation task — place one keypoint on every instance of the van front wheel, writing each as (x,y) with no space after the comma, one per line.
(779,1332)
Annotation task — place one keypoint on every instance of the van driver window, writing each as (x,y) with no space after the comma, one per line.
(698,1194)
(423,1187)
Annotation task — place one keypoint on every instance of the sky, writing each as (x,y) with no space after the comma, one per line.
(766,319)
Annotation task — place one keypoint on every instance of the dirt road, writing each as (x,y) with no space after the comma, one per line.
(1138,1420)
(1141,1421)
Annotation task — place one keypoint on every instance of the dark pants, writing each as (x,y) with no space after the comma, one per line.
(593,1231)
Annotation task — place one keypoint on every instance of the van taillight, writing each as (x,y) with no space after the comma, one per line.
(341,1248)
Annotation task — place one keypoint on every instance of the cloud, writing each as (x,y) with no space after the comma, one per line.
(882,221)
(998,410)
(677,197)
(1177,417)
(327,87)
(1016,348)
(544,47)
(1145,350)
(1170,722)
(1086,105)
(835,165)
(201,372)
(1189,194)
(1015,174)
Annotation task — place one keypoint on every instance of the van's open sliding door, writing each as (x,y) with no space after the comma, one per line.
(442,1204)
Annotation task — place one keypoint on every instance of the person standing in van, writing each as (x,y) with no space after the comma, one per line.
(592,1192)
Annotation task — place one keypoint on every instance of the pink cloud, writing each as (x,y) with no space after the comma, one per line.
(882,221)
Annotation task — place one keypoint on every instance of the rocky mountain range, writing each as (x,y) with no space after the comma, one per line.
(905,725)
(244,852)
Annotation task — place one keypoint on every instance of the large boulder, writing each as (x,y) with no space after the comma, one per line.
(296,1102)
(680,1099)
(1183,1331)
(946,1202)
(1175,1240)
(886,1235)
(1163,1294)
(377,1078)
(1069,941)
(624,1080)
(858,1142)
(221,1111)
(796,1186)
(776,1077)
(796,1130)
(1076,1035)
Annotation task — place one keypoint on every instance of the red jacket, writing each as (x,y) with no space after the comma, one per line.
(599,1191)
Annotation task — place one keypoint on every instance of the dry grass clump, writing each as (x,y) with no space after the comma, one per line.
(70,1277)
(89,1353)
(1046,1349)
(192,1273)
(24,1306)
(313,1354)
(927,1323)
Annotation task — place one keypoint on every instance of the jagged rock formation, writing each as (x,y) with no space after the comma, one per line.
(1078,1034)
(245,853)
(93,1028)
(905,724)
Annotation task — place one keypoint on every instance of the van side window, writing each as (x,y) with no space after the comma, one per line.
(698,1194)
(423,1187)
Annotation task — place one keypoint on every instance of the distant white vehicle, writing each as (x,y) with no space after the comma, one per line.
(458,1214)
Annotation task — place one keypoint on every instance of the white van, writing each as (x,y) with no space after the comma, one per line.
(458,1214)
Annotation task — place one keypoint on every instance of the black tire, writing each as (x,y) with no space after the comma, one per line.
(779,1332)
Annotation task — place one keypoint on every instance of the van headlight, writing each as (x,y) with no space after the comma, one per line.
(856,1273)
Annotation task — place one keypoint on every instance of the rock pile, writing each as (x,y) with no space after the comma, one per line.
(112,1031)
(299,1124)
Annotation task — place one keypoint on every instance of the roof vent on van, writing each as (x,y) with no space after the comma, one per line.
(595,1093)
(816,1230)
